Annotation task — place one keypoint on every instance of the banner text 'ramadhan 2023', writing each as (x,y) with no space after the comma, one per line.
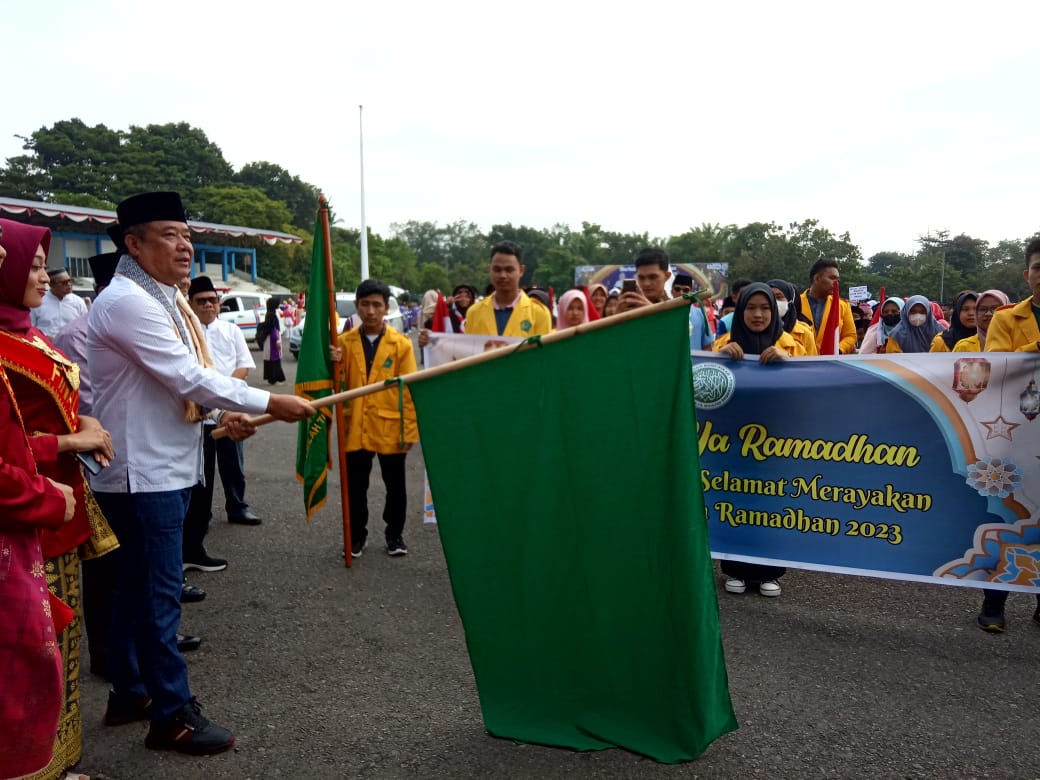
(918,467)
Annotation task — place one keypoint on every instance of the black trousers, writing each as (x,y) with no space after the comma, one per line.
(993,601)
(359,469)
(200,508)
(751,572)
(98,586)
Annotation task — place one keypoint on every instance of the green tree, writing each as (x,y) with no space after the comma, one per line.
(556,270)
(239,205)
(278,184)
(434,277)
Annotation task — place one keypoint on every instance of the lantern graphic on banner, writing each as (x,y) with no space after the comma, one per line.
(1029,401)
(970,377)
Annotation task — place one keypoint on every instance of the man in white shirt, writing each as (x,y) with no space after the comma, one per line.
(227,347)
(149,390)
(60,305)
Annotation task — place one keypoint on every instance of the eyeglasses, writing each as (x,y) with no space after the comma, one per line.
(210,300)
(986,310)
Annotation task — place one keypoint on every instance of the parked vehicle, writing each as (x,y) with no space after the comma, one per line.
(246,310)
(346,310)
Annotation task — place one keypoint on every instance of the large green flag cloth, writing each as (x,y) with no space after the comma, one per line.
(568,497)
(314,380)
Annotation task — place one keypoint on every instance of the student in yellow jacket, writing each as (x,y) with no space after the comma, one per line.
(815,304)
(1015,329)
(988,303)
(379,425)
(757,330)
(962,323)
(786,302)
(508,311)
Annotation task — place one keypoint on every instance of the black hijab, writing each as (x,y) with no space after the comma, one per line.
(791,316)
(957,331)
(756,343)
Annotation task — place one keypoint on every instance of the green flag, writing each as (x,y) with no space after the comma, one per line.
(567,488)
(314,380)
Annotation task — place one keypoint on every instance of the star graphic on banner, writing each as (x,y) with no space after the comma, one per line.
(999,428)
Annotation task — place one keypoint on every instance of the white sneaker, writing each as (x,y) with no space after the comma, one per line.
(733,585)
(770,588)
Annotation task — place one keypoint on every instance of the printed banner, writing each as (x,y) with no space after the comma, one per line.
(446,348)
(919,467)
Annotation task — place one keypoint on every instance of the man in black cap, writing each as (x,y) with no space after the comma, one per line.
(98,581)
(227,347)
(60,305)
(148,366)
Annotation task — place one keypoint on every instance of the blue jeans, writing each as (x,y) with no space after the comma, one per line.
(146,610)
(232,475)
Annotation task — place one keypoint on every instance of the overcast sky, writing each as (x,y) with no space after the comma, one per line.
(883,119)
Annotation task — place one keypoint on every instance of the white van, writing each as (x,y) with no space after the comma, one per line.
(244,309)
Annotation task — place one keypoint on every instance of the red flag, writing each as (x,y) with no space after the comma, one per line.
(441,316)
(877,311)
(552,300)
(593,313)
(831,344)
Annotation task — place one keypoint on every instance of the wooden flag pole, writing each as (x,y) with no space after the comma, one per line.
(483,357)
(337,382)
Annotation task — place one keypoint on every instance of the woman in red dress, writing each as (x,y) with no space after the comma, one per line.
(45,387)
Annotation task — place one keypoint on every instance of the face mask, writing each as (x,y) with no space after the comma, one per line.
(781,307)
(917,320)
(890,319)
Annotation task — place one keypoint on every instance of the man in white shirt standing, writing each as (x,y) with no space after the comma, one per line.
(60,305)
(227,347)
(145,357)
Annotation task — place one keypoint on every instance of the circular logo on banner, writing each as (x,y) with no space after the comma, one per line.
(713,385)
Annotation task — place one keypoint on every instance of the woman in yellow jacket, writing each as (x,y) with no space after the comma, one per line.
(380,424)
(756,330)
(787,306)
(985,307)
(962,323)
(917,327)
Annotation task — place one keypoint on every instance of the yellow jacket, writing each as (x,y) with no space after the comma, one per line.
(786,342)
(939,344)
(373,421)
(848,327)
(529,318)
(969,344)
(1014,329)
(805,335)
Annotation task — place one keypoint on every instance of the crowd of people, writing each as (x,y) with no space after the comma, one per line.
(770,319)
(108,413)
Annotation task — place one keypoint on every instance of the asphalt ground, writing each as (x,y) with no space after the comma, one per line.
(329,672)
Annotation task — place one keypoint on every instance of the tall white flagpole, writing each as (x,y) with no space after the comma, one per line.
(364,229)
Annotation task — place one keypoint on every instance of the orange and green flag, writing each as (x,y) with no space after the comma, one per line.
(314,379)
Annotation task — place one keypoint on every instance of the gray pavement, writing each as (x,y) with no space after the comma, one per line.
(329,672)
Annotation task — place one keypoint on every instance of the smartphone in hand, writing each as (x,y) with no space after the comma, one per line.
(86,459)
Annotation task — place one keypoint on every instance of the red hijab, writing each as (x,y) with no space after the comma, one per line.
(20,241)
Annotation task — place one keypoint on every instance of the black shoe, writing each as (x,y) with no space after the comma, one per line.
(126,709)
(189,732)
(204,562)
(994,624)
(396,546)
(357,549)
(246,518)
(187,643)
(191,593)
